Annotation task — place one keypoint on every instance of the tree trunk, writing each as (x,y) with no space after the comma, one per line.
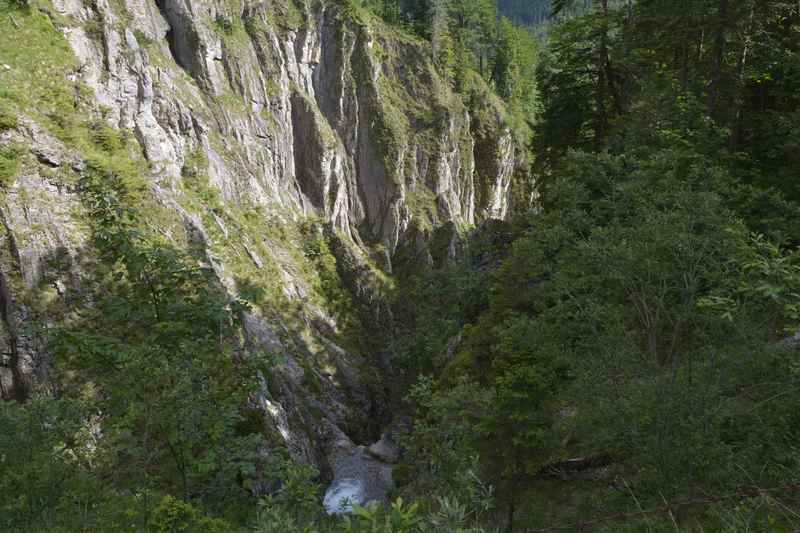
(603,64)
(512,503)
(684,48)
(740,83)
(717,59)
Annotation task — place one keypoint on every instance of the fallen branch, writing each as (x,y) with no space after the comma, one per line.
(578,464)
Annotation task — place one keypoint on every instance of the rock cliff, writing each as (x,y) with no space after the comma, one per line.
(299,144)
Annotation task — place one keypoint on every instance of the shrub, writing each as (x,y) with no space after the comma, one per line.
(172,515)
(8,120)
(9,163)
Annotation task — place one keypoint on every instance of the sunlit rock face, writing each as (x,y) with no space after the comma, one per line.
(295,114)
(311,109)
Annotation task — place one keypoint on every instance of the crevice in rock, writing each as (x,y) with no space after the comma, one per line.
(19,387)
(174,36)
(19,384)
(170,37)
(97,31)
(308,151)
(13,249)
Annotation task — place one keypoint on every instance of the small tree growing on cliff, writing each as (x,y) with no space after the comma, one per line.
(155,352)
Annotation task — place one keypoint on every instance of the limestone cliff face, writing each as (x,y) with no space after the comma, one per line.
(303,105)
(295,110)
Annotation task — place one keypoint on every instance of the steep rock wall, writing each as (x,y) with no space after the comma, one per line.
(294,111)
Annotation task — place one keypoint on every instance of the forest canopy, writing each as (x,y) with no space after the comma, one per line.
(620,351)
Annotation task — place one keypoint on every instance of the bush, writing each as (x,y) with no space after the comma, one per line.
(399,518)
(8,120)
(9,163)
(224,25)
(172,515)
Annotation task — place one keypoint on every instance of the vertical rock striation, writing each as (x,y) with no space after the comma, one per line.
(294,110)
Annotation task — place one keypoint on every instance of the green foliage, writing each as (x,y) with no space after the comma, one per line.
(434,305)
(579,96)
(142,39)
(526,12)
(156,346)
(451,515)
(637,316)
(464,38)
(8,120)
(36,85)
(296,506)
(398,518)
(326,280)
(618,326)
(441,456)
(736,80)
(35,82)
(45,461)
(763,279)
(9,162)
(196,179)
(299,492)
(633,317)
(514,76)
(95,27)
(151,403)
(287,15)
(224,25)
(106,138)
(171,515)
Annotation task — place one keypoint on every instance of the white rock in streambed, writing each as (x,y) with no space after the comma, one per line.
(358,479)
(342,494)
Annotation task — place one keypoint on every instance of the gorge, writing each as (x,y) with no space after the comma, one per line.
(399,266)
